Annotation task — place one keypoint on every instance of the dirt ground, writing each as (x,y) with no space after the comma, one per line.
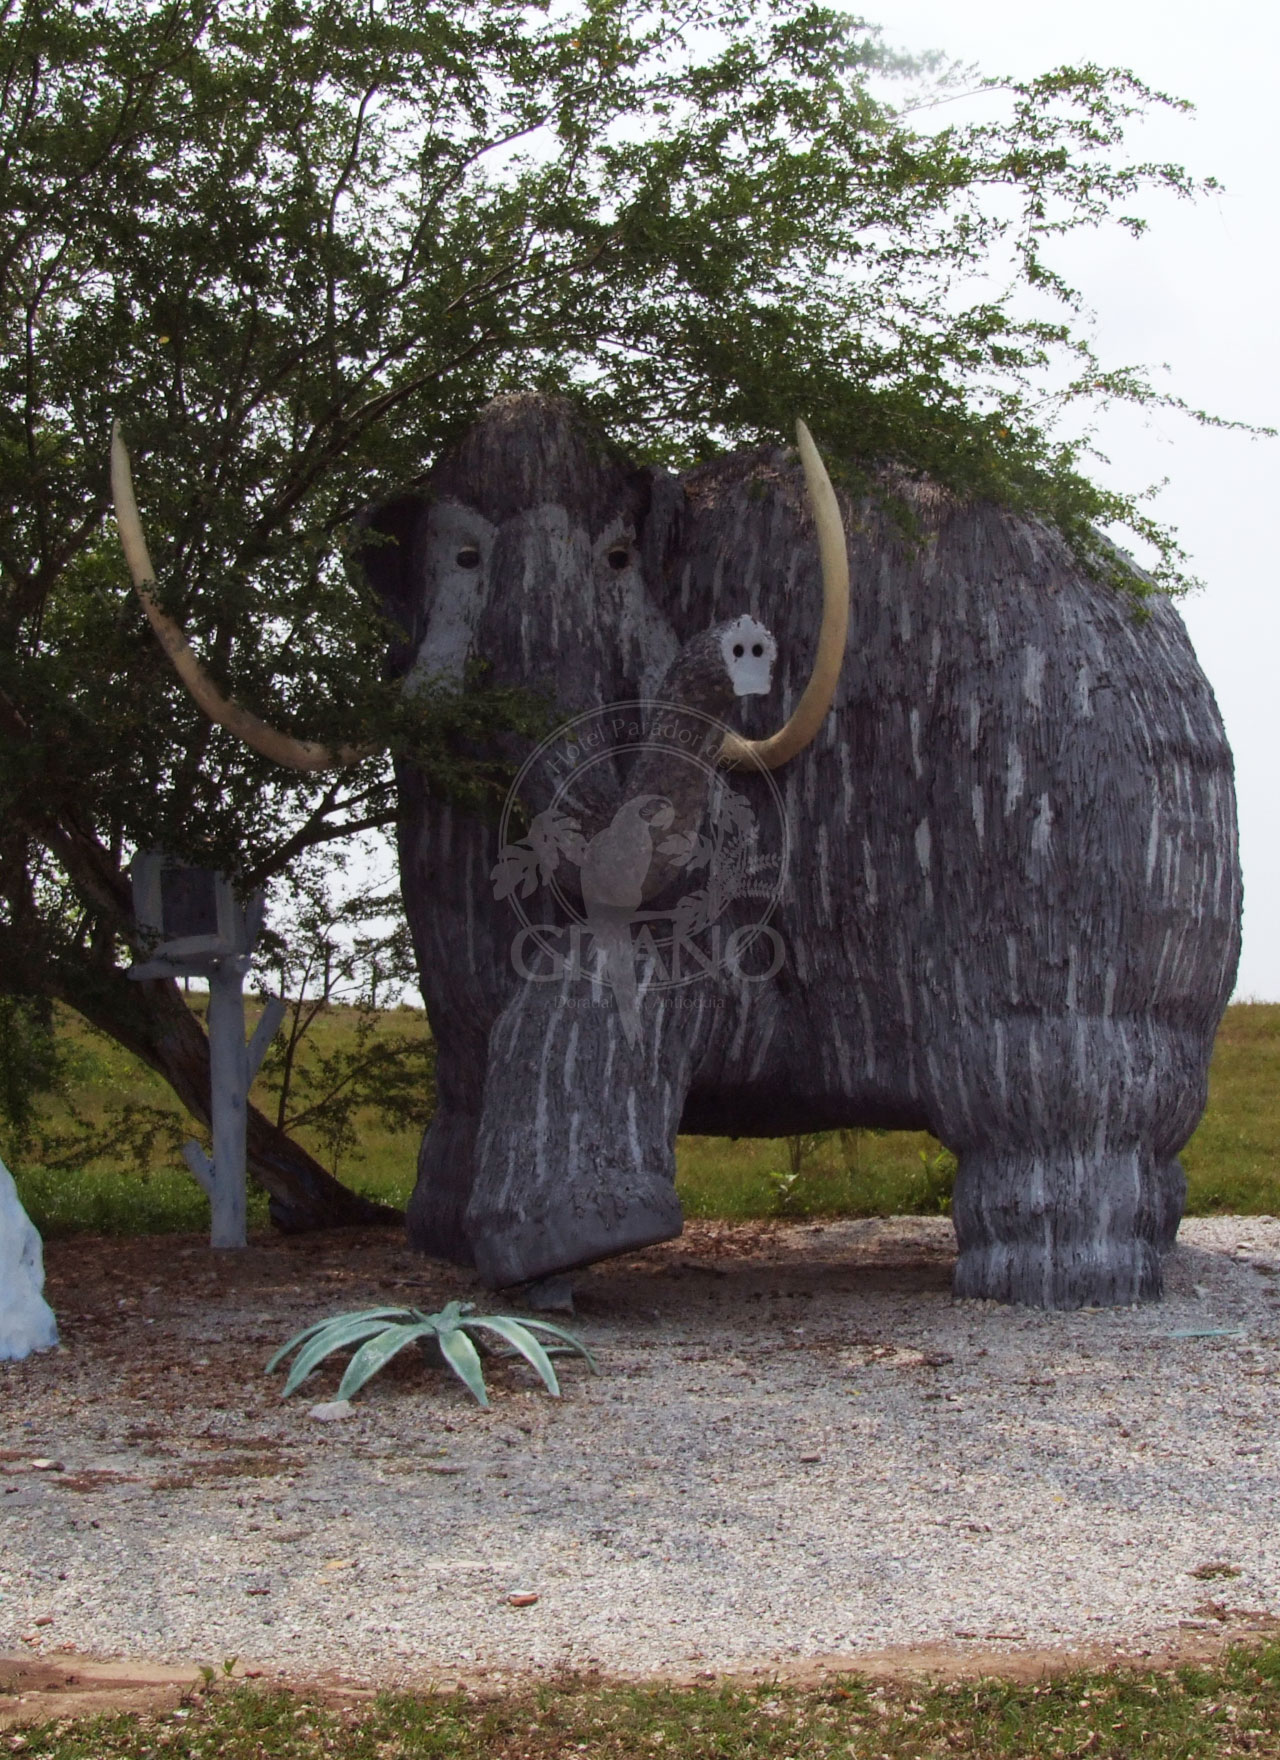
(36,1690)
(156,1336)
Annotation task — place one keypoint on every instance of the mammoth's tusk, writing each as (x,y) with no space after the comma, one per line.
(281,748)
(818,694)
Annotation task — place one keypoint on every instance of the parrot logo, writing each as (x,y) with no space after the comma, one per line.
(614,866)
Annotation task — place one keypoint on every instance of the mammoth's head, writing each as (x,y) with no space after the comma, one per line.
(534,546)
(524,547)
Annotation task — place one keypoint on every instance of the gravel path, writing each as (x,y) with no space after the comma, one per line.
(799,1446)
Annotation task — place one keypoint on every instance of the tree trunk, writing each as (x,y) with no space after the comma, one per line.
(151,1020)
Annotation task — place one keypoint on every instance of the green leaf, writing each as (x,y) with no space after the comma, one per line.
(319,1326)
(378,1352)
(338,1336)
(574,1344)
(464,1359)
(523,1340)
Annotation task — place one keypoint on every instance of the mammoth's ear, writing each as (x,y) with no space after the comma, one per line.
(384,546)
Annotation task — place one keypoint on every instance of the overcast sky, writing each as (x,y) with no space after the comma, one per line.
(1198,292)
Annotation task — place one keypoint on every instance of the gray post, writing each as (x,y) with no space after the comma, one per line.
(232,1067)
(206,932)
(229,1095)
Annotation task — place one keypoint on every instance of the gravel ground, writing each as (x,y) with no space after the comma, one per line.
(799,1446)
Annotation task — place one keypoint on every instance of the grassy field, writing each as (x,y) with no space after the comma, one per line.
(1231,1708)
(141,1184)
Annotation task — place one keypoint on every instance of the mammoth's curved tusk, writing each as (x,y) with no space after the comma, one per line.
(281,748)
(818,694)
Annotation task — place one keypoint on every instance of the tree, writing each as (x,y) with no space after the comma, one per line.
(294,244)
(351,952)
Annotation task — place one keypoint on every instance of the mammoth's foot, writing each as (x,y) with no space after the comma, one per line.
(575,1155)
(531,1234)
(1066,1229)
(549,1295)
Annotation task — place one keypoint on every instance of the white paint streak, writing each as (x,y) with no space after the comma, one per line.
(1084,694)
(633,1132)
(541,1134)
(1014,777)
(762,1048)
(1001,1065)
(846,773)
(824,877)
(1042,827)
(869,1040)
(1033,661)
(869,875)
(844,1066)
(610,1028)
(924,845)
(1153,841)
(573,1158)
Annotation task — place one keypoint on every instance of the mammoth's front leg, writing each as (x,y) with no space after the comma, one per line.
(447,1159)
(575,1158)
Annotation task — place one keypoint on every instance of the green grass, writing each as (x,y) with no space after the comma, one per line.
(1231,1708)
(1232,1162)
(147,1189)
(836,1173)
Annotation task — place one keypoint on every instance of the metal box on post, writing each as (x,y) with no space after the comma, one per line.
(202,930)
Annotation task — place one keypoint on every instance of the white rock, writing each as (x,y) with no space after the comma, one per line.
(332,1410)
(26,1319)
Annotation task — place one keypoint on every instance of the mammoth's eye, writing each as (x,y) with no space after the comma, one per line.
(758,649)
(468,557)
(618,555)
(738,650)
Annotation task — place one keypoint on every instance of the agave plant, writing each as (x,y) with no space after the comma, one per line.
(382,1332)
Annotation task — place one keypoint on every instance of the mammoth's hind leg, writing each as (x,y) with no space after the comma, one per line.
(576,1151)
(1066,1129)
(1055,1227)
(1170,1202)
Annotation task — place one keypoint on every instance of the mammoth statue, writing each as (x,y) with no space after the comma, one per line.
(983,881)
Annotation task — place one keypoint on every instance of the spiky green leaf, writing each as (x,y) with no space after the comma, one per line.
(521,1339)
(341,1335)
(567,1340)
(377,1352)
(319,1326)
(464,1359)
